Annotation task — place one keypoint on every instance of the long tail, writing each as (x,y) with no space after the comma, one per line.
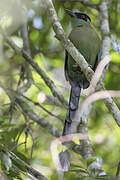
(72,108)
(64,156)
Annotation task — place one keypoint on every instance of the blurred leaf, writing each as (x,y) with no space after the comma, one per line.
(115,57)
(76,140)
(6,161)
(34,35)
(90,160)
(14,173)
(56,63)
(78,169)
(61,148)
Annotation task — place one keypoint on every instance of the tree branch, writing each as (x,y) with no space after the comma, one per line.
(26,47)
(24,107)
(86,148)
(105,32)
(77,56)
(43,108)
(40,71)
(87,151)
(83,149)
(104,28)
(30,170)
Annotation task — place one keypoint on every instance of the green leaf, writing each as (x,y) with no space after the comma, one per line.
(61,148)
(115,58)
(14,173)
(80,170)
(76,140)
(34,35)
(90,160)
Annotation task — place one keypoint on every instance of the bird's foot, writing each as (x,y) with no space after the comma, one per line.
(68,121)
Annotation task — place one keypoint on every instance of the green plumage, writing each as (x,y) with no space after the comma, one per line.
(86,40)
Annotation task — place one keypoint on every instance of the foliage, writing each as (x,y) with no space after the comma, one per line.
(30,140)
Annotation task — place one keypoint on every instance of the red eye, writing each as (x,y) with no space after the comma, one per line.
(82,16)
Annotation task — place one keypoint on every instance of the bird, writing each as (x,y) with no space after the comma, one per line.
(85,38)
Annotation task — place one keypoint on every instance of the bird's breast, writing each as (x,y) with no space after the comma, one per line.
(86,40)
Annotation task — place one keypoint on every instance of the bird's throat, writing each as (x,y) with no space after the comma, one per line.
(77,22)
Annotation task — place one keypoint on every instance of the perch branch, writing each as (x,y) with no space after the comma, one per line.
(112,107)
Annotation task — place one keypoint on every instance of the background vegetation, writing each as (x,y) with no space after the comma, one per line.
(26,127)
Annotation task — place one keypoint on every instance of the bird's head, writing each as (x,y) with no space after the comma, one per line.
(77,17)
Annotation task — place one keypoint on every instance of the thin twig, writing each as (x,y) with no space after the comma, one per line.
(20,103)
(32,144)
(16,146)
(30,170)
(39,105)
(26,47)
(118,171)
